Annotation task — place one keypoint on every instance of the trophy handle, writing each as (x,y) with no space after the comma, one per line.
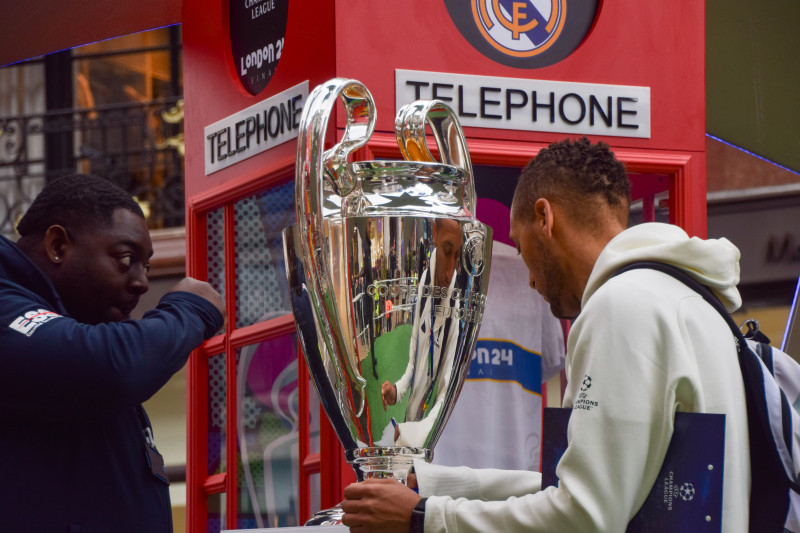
(313,166)
(409,128)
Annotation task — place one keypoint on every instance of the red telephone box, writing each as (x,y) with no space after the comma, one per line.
(627,72)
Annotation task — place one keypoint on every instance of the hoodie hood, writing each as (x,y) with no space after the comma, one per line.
(17,268)
(712,262)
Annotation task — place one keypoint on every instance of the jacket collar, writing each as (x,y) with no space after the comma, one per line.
(17,268)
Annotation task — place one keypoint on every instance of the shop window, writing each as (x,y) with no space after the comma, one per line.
(112,108)
(21,103)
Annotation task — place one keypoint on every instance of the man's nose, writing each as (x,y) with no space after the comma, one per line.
(139,283)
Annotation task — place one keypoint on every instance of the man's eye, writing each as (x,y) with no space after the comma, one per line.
(125,260)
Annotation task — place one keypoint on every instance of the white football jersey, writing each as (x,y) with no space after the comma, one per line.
(497,420)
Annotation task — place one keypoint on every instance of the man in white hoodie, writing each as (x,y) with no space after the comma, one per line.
(648,344)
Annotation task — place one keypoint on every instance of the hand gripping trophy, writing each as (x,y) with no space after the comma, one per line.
(388,271)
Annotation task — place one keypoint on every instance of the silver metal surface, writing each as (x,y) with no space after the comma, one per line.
(388,272)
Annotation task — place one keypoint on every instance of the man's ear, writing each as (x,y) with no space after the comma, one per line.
(544,217)
(56,241)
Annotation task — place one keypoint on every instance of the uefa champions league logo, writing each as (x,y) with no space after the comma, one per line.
(472,255)
(686,492)
(673,491)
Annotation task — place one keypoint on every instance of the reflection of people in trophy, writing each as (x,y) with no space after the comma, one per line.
(520,346)
(433,340)
(364,303)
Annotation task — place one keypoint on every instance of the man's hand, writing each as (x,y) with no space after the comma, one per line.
(203,290)
(388,394)
(382,505)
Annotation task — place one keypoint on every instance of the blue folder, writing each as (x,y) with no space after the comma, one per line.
(687,495)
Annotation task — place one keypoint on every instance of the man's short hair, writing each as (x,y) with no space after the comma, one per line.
(577,174)
(79,202)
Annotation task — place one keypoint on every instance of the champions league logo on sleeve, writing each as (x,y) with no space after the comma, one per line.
(524,33)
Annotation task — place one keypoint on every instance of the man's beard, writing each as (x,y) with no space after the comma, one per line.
(555,286)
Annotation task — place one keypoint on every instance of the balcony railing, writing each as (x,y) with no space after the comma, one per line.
(138,146)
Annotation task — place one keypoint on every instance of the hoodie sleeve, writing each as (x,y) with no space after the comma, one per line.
(623,399)
(54,363)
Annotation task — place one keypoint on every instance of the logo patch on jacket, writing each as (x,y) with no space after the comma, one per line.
(30,321)
(583,401)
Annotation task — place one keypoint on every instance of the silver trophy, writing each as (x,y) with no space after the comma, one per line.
(388,270)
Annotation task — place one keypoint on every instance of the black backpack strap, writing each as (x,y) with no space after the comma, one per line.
(769,500)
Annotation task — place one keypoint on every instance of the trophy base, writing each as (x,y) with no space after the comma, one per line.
(326,517)
(373,463)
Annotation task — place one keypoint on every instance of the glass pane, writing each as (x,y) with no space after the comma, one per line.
(494,186)
(21,90)
(215,251)
(315,411)
(496,182)
(216,513)
(123,78)
(314,501)
(261,289)
(22,98)
(216,414)
(649,198)
(267,400)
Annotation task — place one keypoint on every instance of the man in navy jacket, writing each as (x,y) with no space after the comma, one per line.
(76,448)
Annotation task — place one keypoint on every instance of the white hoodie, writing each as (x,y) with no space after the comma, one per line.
(651,346)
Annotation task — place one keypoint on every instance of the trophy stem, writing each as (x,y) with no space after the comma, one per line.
(385,462)
(373,463)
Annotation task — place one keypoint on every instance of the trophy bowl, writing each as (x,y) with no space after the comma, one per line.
(388,271)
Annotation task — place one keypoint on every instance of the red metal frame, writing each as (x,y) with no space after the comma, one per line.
(201,485)
(335,474)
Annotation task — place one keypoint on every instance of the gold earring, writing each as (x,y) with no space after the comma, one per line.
(56,258)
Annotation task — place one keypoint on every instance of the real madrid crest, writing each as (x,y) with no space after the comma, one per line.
(524,33)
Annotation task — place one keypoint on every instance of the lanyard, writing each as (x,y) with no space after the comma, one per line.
(154,459)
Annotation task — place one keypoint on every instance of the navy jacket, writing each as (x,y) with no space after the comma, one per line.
(73,455)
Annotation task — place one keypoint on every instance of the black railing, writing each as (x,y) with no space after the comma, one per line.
(138,146)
